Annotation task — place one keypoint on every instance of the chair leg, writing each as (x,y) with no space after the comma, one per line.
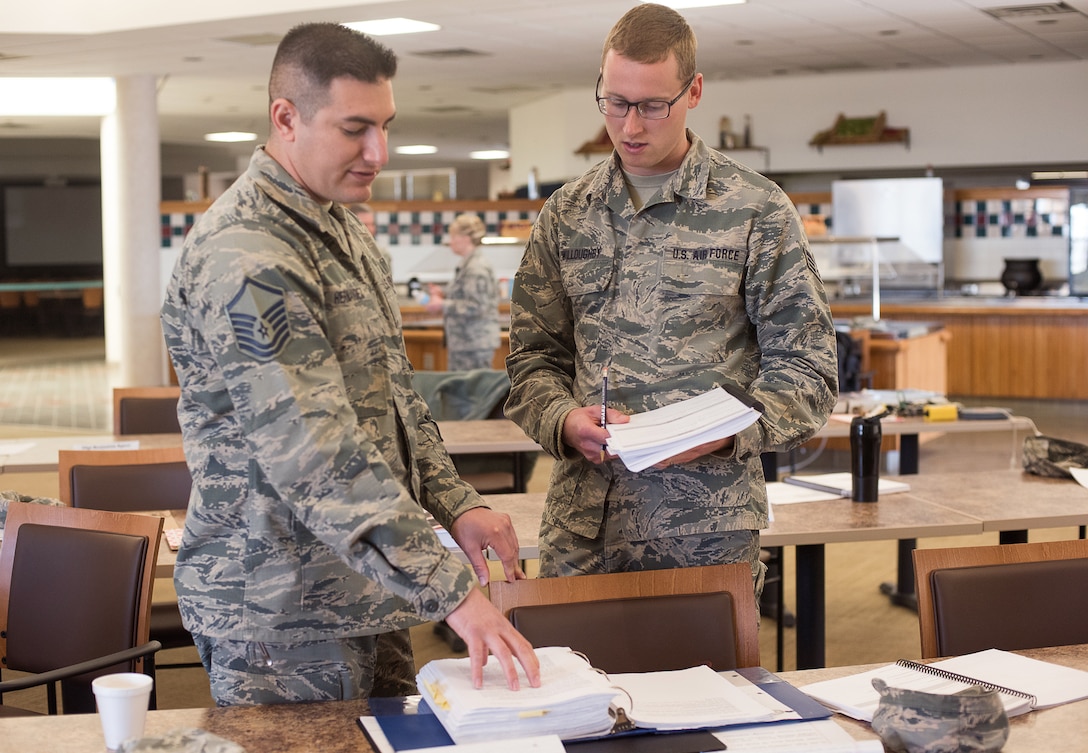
(149,670)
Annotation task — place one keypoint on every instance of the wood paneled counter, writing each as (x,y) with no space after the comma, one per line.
(1030,347)
(425,341)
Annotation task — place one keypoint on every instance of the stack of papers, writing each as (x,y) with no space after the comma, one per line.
(576,701)
(572,701)
(656,435)
(841,484)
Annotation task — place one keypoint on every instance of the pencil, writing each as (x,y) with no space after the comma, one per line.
(604,404)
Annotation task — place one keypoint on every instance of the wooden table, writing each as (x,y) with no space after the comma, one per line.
(945,504)
(41,455)
(808,526)
(460,437)
(909,431)
(332,727)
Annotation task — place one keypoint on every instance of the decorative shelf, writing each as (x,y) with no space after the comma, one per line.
(870,129)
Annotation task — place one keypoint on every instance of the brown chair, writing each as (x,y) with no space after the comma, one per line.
(152,478)
(75,599)
(642,621)
(1007,596)
(146,410)
(133,480)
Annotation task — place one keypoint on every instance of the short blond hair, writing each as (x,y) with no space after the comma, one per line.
(648,33)
(470,225)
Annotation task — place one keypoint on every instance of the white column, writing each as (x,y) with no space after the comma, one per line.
(131,186)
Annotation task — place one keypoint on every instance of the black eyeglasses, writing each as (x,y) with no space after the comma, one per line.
(648,109)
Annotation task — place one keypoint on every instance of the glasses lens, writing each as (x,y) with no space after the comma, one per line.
(614,108)
(653,109)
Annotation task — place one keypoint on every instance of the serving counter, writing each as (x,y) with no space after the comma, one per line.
(1027,347)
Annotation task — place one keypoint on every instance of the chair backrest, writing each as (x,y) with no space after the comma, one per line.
(641,621)
(153,478)
(1008,596)
(474,395)
(463,395)
(146,410)
(74,585)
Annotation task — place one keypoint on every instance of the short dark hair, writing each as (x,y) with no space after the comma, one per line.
(311,55)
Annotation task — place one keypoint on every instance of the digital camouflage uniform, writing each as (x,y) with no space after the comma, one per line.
(312,457)
(472,315)
(710,283)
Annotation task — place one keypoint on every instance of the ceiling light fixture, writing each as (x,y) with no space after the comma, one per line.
(229,137)
(416,149)
(57,96)
(489,154)
(682,4)
(383,27)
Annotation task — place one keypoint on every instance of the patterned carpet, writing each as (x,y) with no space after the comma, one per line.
(62,383)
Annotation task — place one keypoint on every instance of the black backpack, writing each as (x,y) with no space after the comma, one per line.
(849,351)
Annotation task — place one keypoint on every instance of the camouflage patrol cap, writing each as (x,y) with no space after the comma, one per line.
(911,721)
(182,741)
(1048,456)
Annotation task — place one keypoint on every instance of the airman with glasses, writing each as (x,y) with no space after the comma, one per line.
(679,270)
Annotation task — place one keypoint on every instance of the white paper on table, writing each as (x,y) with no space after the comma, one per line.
(446,538)
(14,448)
(133,444)
(1080,475)
(781,493)
(688,699)
(821,736)
(540,744)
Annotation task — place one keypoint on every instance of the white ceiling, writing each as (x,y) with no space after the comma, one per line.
(212,77)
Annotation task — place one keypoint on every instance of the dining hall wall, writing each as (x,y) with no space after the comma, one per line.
(1031,114)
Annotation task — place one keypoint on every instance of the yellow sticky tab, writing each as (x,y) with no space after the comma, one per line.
(439,697)
(942,413)
(529,714)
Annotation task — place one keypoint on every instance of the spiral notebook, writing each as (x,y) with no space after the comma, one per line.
(1025,684)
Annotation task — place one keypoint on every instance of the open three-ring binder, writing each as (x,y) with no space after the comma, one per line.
(579,703)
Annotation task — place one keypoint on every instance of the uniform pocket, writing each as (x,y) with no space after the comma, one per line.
(585,270)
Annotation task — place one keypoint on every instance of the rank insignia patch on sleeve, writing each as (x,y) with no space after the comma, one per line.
(258,317)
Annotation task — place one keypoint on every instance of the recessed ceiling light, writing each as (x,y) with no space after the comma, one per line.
(416,149)
(1060,175)
(380,27)
(230,136)
(681,4)
(57,96)
(489,154)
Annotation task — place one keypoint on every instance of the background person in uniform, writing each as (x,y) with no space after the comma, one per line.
(307,551)
(680,270)
(470,304)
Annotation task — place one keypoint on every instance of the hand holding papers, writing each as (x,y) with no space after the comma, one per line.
(656,435)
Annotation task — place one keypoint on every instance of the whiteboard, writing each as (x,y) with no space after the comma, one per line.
(910,209)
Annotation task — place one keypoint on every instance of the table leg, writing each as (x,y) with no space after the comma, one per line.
(811,616)
(520,481)
(901,593)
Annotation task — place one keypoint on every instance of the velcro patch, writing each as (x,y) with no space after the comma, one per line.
(258,317)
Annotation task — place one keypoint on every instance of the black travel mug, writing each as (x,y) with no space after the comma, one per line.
(864,458)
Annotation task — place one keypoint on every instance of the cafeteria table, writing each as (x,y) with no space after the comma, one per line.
(332,727)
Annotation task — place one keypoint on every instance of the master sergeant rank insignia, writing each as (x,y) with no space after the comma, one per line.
(258,317)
